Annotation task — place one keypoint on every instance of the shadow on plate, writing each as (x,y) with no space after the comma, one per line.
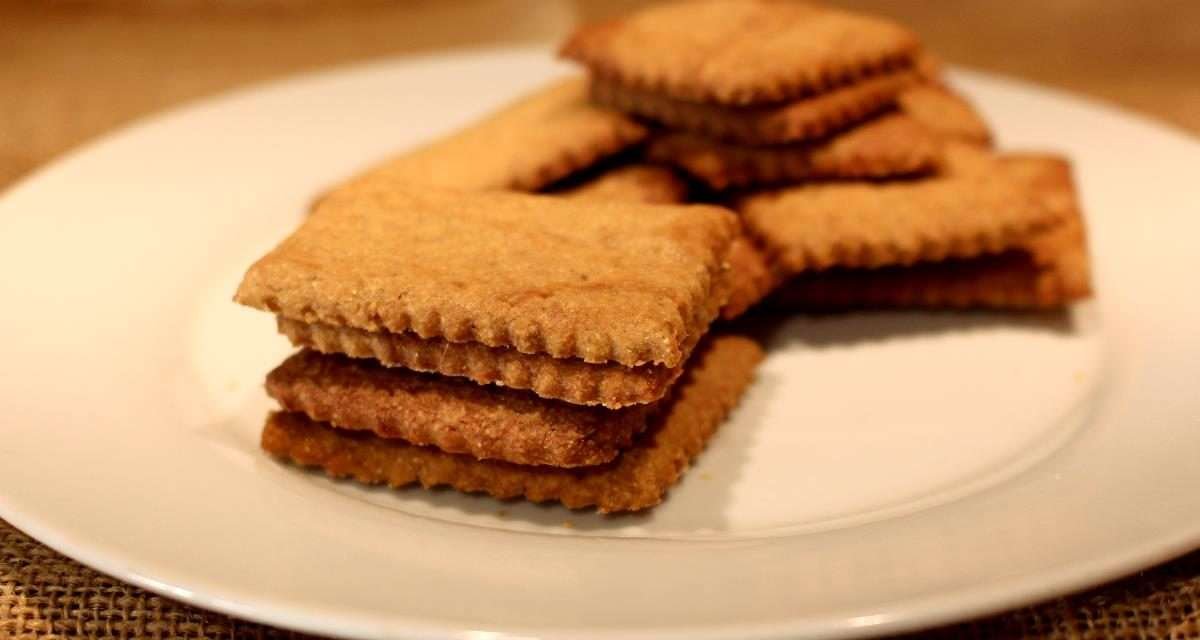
(821,330)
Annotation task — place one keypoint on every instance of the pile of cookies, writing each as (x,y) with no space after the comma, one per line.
(522,345)
(860,177)
(525,307)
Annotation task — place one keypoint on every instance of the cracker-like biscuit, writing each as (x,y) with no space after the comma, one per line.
(568,277)
(1062,248)
(1047,173)
(632,183)
(751,275)
(945,113)
(803,119)
(739,52)
(572,380)
(890,145)
(957,215)
(1049,269)
(454,415)
(638,479)
(568,379)
(1011,280)
(525,146)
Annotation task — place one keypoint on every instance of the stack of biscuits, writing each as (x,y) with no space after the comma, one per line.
(524,307)
(861,177)
(519,345)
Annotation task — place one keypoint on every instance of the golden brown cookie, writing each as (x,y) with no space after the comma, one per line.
(890,145)
(638,479)
(454,415)
(958,215)
(632,183)
(945,113)
(568,379)
(802,119)
(1047,173)
(525,146)
(567,277)
(739,52)
(1062,248)
(1012,280)
(1049,269)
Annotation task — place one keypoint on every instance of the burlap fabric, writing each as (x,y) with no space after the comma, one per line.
(71,70)
(45,595)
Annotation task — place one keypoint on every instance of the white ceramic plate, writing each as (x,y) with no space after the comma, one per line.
(887,470)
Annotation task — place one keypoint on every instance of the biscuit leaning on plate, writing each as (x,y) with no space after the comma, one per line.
(526,145)
(1044,266)
(752,72)
(975,207)
(1048,269)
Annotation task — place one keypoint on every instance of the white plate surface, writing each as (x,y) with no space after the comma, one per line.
(886,471)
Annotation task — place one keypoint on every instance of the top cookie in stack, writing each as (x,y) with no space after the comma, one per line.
(750,72)
(757,92)
(591,302)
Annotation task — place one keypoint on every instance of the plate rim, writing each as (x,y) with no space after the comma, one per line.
(931,611)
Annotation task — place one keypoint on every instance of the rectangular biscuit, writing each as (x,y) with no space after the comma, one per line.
(891,145)
(569,379)
(524,146)
(739,52)
(1062,248)
(1048,174)
(1049,269)
(803,119)
(567,277)
(638,479)
(965,212)
(645,183)
(452,414)
(1011,280)
(945,113)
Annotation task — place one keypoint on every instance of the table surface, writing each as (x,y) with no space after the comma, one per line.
(72,70)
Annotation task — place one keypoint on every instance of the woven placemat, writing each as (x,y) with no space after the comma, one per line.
(45,595)
(71,70)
